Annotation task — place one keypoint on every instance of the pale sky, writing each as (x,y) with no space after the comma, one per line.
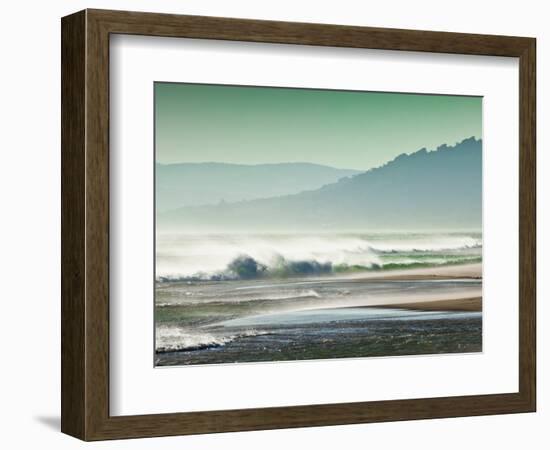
(345,129)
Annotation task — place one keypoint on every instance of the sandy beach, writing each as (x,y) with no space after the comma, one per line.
(443,301)
(459,304)
(472,271)
(395,312)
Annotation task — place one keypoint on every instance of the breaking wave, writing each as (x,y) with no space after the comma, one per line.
(246,268)
(174,339)
(230,257)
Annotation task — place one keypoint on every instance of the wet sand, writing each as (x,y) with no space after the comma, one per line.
(459,304)
(436,303)
(471,271)
(398,312)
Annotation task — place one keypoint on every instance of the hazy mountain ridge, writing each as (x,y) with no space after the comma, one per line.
(422,190)
(209,183)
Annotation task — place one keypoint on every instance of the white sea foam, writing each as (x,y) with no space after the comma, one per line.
(192,254)
(171,338)
(430,243)
(224,296)
(200,256)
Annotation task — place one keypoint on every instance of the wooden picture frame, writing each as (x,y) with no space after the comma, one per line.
(85,224)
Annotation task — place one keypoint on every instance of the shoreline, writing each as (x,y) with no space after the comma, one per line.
(470,304)
(465,296)
(442,302)
(445,272)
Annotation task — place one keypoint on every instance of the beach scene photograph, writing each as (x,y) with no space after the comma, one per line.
(298,224)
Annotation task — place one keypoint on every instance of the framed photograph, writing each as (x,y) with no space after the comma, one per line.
(273,225)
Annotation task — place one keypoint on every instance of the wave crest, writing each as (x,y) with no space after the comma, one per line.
(246,268)
(239,257)
(174,339)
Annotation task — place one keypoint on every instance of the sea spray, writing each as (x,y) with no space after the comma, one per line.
(236,257)
(175,339)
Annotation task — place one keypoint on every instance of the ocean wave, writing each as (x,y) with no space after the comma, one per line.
(299,294)
(427,246)
(175,339)
(422,264)
(246,268)
(240,257)
(307,293)
(412,249)
(195,256)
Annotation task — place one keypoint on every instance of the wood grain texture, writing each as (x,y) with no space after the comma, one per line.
(85,224)
(152,24)
(73,227)
(527,224)
(97,226)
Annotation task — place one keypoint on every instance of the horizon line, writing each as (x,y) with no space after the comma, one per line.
(320,164)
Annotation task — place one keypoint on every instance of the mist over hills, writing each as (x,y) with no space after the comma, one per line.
(192,184)
(438,189)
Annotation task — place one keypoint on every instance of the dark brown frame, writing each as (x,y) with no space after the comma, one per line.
(85,224)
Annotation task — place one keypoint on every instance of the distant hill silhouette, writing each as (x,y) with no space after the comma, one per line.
(438,189)
(192,184)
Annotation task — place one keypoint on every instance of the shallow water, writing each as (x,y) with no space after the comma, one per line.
(333,315)
(207,322)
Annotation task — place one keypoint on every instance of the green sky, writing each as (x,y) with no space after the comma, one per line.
(254,125)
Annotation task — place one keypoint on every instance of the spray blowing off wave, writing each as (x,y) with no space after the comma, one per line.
(231,257)
(246,268)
